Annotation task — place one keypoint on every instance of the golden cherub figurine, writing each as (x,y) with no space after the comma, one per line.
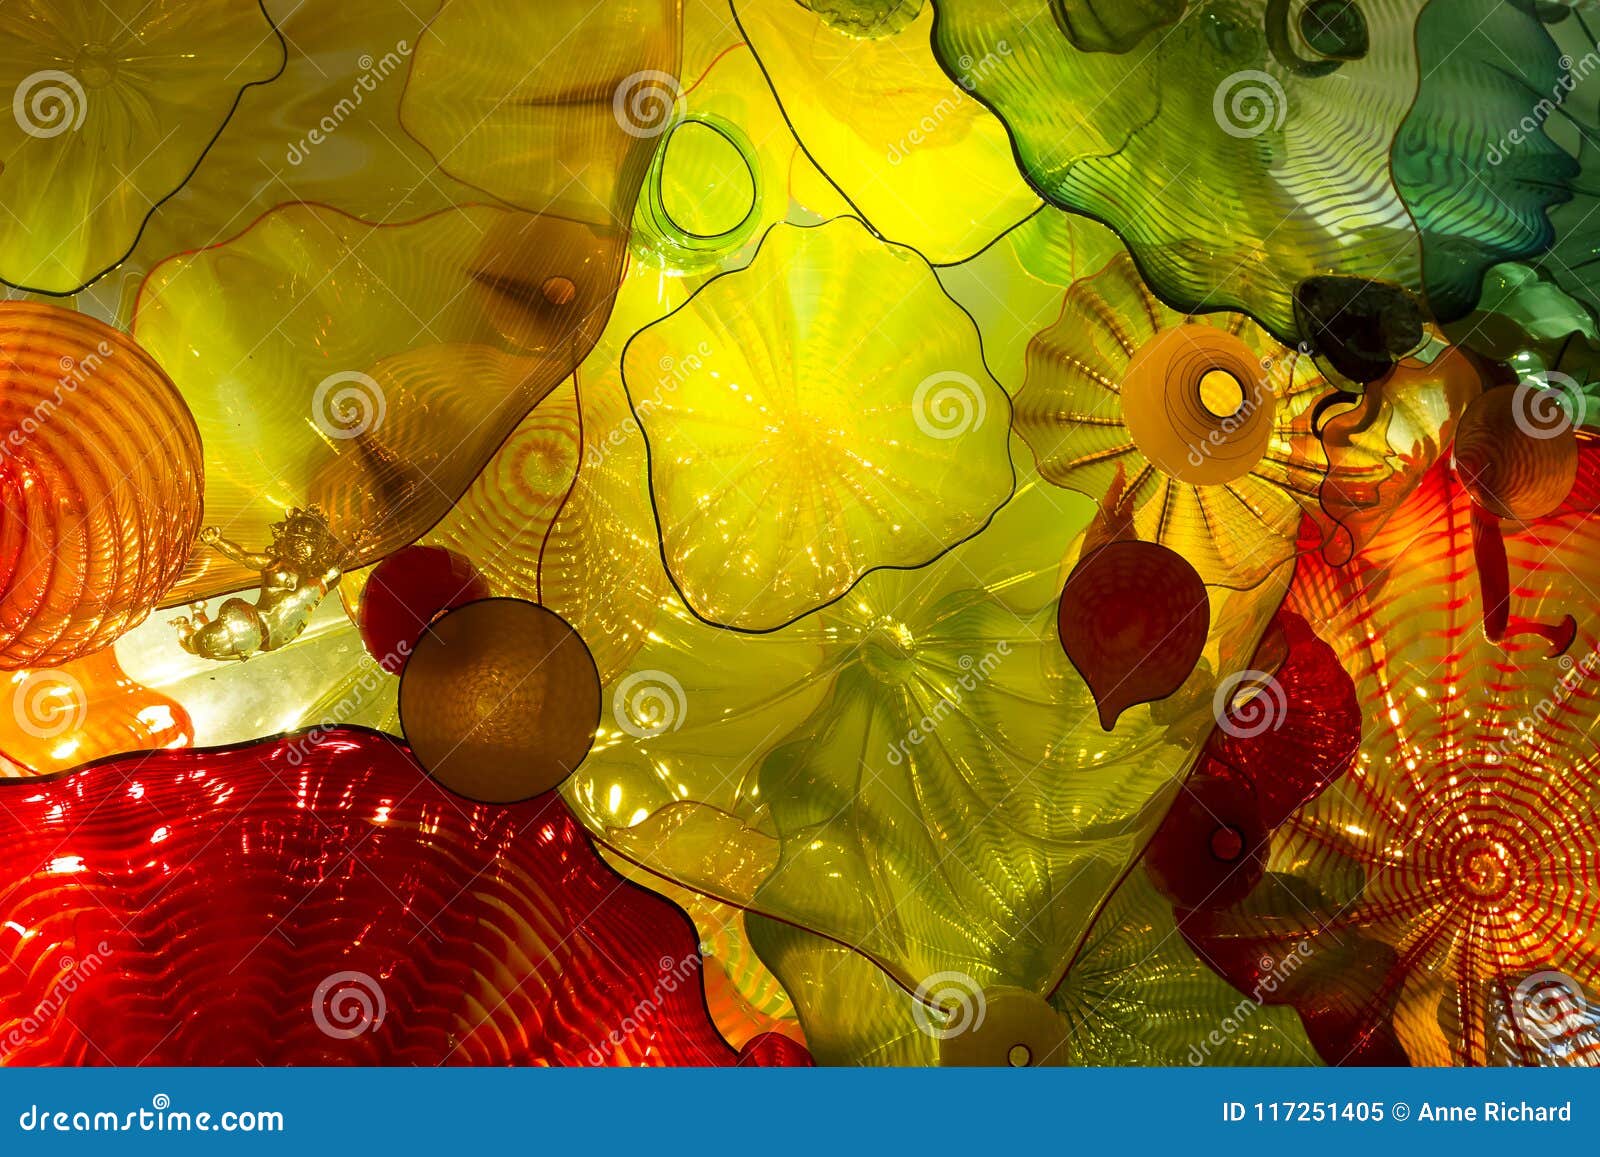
(303,564)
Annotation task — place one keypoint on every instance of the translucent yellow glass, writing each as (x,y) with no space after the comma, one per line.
(914,151)
(824,413)
(369,369)
(112,107)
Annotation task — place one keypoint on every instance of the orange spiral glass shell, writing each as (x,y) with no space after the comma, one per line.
(100,484)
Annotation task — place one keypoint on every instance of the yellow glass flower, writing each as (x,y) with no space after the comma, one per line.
(112,105)
(822,414)
(915,152)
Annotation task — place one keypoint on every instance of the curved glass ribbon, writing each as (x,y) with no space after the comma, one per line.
(822,414)
(113,106)
(1457,858)
(1238,149)
(368,917)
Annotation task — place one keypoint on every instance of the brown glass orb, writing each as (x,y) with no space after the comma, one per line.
(500,700)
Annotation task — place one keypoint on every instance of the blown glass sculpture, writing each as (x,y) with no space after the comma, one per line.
(100,484)
(786,532)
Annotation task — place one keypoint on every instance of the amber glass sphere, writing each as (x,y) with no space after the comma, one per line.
(500,700)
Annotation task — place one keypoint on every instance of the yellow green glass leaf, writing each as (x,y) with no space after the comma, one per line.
(853,1012)
(370,369)
(554,107)
(832,414)
(1013,288)
(1238,150)
(502,521)
(915,152)
(327,130)
(113,108)
(1136,994)
(1206,421)
(814,772)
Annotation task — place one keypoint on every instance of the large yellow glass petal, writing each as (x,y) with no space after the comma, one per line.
(915,152)
(327,130)
(114,105)
(554,107)
(372,369)
(795,444)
